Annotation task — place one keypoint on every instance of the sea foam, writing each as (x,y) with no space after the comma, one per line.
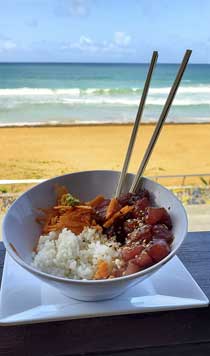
(199,89)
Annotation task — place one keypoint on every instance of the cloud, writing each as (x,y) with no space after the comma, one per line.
(78,8)
(84,44)
(121,39)
(85,41)
(7,45)
(119,43)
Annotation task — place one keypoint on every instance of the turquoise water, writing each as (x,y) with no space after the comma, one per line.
(68,93)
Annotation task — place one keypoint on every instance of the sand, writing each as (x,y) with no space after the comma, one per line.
(41,152)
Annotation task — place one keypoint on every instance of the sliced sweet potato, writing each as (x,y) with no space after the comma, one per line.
(122,212)
(75,220)
(102,271)
(96,201)
(62,207)
(84,207)
(48,219)
(112,208)
(59,217)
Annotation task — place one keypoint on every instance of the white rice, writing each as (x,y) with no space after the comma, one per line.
(74,256)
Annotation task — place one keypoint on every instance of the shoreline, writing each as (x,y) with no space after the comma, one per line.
(91,124)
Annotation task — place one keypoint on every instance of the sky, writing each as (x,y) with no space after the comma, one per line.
(104,30)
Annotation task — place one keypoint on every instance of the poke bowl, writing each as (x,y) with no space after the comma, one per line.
(145,248)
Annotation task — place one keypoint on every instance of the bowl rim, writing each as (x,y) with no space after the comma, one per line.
(58,279)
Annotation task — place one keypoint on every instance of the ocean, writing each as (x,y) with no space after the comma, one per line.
(63,93)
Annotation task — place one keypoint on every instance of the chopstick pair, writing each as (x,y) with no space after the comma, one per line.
(163,115)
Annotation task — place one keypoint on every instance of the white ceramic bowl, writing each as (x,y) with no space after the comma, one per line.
(21,230)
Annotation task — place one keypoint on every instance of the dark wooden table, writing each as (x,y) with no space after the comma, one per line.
(172,333)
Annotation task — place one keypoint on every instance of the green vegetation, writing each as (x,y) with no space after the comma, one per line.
(3,189)
(68,199)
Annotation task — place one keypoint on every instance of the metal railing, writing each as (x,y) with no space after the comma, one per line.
(183,178)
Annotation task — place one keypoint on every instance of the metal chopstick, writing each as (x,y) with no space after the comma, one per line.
(136,124)
(166,108)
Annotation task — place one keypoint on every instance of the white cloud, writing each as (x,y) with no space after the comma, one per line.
(121,39)
(85,41)
(120,43)
(7,45)
(85,44)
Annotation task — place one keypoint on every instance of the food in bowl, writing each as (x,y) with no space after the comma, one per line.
(102,238)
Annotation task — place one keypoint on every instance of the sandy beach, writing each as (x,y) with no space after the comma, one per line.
(41,152)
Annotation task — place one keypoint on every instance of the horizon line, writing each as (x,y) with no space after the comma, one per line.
(65,62)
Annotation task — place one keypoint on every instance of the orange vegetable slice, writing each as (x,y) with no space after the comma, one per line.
(112,208)
(96,201)
(102,271)
(125,210)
